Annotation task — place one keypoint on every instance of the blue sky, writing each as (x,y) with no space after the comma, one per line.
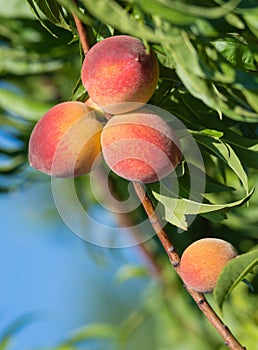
(47,270)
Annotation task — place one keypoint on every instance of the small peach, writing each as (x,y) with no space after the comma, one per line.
(202,262)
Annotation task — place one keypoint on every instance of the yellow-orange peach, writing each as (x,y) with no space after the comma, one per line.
(92,104)
(140,146)
(65,142)
(202,262)
(117,70)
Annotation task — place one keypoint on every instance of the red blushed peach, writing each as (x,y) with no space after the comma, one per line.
(65,142)
(140,146)
(202,262)
(117,70)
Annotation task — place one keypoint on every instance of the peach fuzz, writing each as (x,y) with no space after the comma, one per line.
(140,146)
(65,142)
(117,70)
(202,262)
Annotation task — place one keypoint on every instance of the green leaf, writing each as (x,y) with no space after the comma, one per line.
(36,13)
(130,271)
(16,61)
(14,328)
(65,347)
(4,344)
(212,133)
(246,149)
(177,209)
(79,93)
(213,186)
(251,20)
(22,106)
(92,331)
(214,217)
(170,13)
(72,7)
(192,73)
(233,273)
(238,53)
(15,8)
(185,13)
(13,165)
(109,12)
(129,327)
(251,98)
(54,12)
(223,151)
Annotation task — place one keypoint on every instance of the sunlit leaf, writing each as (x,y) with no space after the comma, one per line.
(36,13)
(191,72)
(177,209)
(224,152)
(190,10)
(170,13)
(23,106)
(73,8)
(237,53)
(15,9)
(16,61)
(109,12)
(246,149)
(233,273)
(53,12)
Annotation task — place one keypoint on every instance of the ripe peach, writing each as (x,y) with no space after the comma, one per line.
(66,141)
(140,146)
(202,262)
(92,104)
(117,70)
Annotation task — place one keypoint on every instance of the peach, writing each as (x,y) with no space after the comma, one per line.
(65,142)
(202,262)
(117,70)
(92,104)
(140,146)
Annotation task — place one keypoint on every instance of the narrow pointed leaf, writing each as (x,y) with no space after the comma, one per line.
(23,106)
(177,209)
(233,273)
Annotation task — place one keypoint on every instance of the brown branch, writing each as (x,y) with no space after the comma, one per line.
(82,33)
(174,258)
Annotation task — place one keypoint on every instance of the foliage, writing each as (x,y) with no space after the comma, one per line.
(236,269)
(208,56)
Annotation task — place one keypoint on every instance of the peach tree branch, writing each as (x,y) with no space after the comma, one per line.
(169,248)
(81,32)
(174,258)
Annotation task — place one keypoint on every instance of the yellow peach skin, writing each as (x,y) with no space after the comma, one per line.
(202,262)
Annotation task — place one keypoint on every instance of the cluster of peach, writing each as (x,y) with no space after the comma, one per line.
(120,76)
(136,143)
